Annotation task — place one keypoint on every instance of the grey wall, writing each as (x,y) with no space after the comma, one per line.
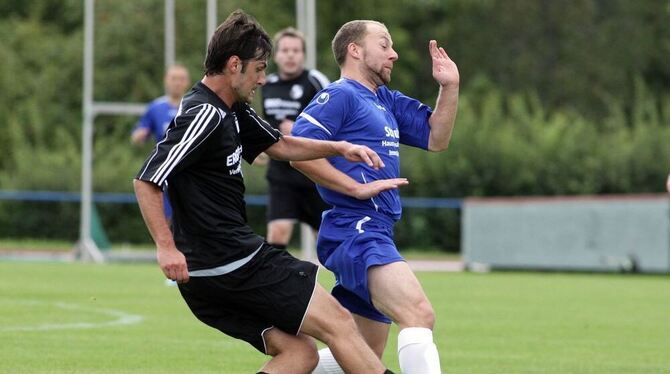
(568,233)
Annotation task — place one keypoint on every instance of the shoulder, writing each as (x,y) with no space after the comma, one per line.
(336,92)
(384,91)
(389,95)
(317,78)
(159,100)
(200,113)
(158,103)
(341,87)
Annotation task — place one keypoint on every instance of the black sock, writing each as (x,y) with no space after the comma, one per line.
(278,246)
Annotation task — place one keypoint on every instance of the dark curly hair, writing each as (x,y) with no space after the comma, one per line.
(239,35)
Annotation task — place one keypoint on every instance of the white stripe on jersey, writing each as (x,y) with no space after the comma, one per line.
(321,80)
(185,145)
(175,152)
(313,121)
(267,125)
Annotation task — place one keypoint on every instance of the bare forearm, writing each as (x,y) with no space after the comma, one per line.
(443,118)
(301,149)
(150,200)
(326,175)
(139,136)
(323,173)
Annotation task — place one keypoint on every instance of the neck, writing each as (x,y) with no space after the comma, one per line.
(287,77)
(220,85)
(174,100)
(358,76)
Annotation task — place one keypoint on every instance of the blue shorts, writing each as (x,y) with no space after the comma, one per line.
(349,244)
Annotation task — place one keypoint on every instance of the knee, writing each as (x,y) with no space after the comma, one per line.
(426,314)
(309,356)
(341,324)
(419,314)
(279,231)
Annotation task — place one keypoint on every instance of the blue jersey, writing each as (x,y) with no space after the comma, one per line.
(156,119)
(158,116)
(382,120)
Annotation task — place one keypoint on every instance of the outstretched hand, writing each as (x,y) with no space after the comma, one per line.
(361,153)
(445,70)
(365,191)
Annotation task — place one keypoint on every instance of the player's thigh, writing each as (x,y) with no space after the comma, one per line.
(396,292)
(325,317)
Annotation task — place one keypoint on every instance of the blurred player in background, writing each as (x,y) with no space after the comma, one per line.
(160,112)
(230,278)
(293,197)
(356,237)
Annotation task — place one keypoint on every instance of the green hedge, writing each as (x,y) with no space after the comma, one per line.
(544,110)
(501,146)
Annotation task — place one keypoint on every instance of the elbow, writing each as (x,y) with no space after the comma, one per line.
(439,142)
(438,147)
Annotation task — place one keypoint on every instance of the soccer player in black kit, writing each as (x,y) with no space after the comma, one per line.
(229,277)
(292,196)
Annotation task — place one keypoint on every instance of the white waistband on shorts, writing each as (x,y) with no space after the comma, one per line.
(224,269)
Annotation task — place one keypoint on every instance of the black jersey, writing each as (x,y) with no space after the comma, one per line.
(200,160)
(285,99)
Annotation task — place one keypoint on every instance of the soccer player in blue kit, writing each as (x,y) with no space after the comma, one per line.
(160,112)
(356,237)
(230,278)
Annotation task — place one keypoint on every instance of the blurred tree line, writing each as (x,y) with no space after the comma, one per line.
(557,97)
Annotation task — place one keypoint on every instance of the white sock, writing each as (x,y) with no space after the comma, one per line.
(327,363)
(416,351)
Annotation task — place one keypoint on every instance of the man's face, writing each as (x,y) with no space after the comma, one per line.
(176,81)
(290,56)
(378,54)
(244,84)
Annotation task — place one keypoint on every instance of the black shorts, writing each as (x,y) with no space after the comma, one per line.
(272,290)
(300,203)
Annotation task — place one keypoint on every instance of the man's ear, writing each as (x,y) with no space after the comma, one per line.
(354,50)
(234,64)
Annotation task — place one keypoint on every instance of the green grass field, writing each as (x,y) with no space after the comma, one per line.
(78,318)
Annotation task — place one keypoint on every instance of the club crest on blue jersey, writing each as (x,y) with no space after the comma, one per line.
(323,98)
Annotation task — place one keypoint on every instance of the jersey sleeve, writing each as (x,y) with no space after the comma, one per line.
(412,117)
(182,145)
(146,121)
(324,115)
(256,135)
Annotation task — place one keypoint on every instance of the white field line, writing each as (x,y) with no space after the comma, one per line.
(120,318)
